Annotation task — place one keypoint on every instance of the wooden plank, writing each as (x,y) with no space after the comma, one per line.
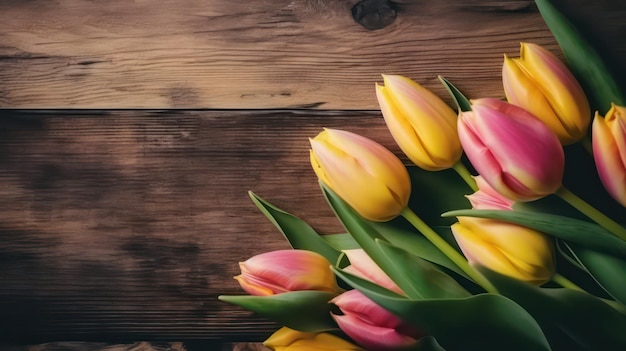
(261,54)
(126,225)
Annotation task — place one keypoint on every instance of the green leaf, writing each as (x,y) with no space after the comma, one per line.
(365,235)
(582,59)
(306,310)
(341,241)
(462,103)
(481,322)
(436,192)
(607,270)
(569,229)
(568,317)
(418,245)
(422,276)
(299,234)
(427,343)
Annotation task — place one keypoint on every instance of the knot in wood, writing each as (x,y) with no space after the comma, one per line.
(374,14)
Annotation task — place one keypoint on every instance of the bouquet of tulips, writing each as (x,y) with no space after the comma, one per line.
(490,251)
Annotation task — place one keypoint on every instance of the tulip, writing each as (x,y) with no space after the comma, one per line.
(486,198)
(282,271)
(364,267)
(370,325)
(540,83)
(363,173)
(609,151)
(286,339)
(509,249)
(420,122)
(512,150)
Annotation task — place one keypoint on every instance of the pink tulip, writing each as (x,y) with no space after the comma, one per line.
(370,325)
(486,198)
(515,152)
(364,267)
(282,271)
(609,151)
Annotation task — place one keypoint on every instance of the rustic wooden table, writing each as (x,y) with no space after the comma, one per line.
(131,132)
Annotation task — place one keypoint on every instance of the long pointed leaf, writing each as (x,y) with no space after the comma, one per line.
(608,271)
(582,59)
(306,310)
(586,320)
(482,322)
(299,234)
(462,103)
(365,235)
(421,275)
(569,229)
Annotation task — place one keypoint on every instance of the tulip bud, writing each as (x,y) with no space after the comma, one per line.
(486,198)
(509,249)
(364,267)
(512,150)
(363,173)
(420,122)
(370,325)
(282,271)
(286,339)
(609,151)
(540,83)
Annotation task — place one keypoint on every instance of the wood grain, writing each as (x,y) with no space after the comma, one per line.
(126,225)
(261,54)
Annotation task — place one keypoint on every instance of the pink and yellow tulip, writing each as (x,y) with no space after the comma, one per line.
(420,122)
(286,339)
(282,271)
(540,83)
(370,325)
(365,174)
(511,149)
(364,267)
(609,151)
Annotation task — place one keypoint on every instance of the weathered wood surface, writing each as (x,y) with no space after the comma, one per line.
(261,54)
(126,225)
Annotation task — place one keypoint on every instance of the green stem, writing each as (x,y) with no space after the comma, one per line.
(592,212)
(465,174)
(566,283)
(447,250)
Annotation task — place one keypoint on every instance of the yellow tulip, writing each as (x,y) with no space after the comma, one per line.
(420,122)
(509,249)
(540,83)
(286,339)
(370,178)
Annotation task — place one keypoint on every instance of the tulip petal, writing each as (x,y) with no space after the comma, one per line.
(609,150)
(371,325)
(364,267)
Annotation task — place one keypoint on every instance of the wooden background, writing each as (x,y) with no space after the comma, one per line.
(121,225)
